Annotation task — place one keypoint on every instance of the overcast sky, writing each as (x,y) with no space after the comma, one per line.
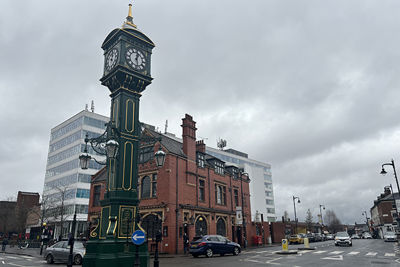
(311,87)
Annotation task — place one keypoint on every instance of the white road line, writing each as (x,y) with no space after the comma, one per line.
(320,252)
(371,253)
(11,257)
(390,254)
(336,252)
(26,257)
(303,251)
(3,262)
(353,253)
(336,258)
(253,260)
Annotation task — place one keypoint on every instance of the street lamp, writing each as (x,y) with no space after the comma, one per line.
(71,242)
(320,212)
(294,205)
(160,157)
(241,173)
(383,172)
(365,213)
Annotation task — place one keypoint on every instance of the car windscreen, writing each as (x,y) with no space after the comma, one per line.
(342,234)
(389,233)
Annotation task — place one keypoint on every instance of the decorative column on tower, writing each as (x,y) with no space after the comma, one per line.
(127,54)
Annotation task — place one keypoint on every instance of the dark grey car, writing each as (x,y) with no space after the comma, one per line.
(59,252)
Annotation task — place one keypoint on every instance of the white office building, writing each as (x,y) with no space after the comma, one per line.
(261,189)
(67,186)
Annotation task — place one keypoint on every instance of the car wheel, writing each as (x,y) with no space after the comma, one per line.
(236,251)
(351,245)
(209,253)
(78,259)
(49,259)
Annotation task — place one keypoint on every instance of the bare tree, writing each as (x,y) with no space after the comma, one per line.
(332,221)
(55,209)
(309,220)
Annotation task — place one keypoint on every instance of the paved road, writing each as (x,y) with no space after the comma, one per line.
(363,253)
(21,261)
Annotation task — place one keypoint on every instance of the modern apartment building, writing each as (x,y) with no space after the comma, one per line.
(261,189)
(66,186)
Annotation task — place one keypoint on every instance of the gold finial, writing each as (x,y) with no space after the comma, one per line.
(130,10)
(129,18)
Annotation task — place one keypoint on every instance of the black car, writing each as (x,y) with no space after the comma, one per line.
(311,237)
(213,244)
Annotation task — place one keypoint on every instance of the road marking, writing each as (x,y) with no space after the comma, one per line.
(337,258)
(3,262)
(253,260)
(320,252)
(371,253)
(26,257)
(303,251)
(272,261)
(390,254)
(336,252)
(354,253)
(12,257)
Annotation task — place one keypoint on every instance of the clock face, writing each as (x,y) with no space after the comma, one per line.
(135,58)
(111,59)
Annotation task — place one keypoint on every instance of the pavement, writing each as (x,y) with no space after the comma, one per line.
(35,252)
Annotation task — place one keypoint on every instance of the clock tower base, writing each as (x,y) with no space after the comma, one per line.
(111,252)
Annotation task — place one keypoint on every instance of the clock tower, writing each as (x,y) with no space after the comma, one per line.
(127,58)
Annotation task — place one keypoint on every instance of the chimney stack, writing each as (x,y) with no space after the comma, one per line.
(200,146)
(189,137)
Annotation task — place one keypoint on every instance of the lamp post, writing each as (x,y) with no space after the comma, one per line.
(241,173)
(320,212)
(294,205)
(71,242)
(383,172)
(365,213)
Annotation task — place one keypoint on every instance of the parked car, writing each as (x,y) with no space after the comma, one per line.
(355,236)
(390,236)
(59,252)
(366,235)
(213,244)
(343,238)
(296,239)
(329,237)
(318,237)
(311,237)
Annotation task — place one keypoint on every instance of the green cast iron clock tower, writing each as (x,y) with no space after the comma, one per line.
(127,61)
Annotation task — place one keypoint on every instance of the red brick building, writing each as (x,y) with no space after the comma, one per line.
(193,193)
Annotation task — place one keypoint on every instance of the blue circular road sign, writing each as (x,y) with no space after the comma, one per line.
(138,237)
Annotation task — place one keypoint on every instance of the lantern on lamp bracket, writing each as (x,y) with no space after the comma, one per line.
(106,145)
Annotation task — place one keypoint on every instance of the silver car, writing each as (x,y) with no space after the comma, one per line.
(59,252)
(390,236)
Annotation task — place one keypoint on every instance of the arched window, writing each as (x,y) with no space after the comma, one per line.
(201,226)
(221,227)
(145,187)
(151,224)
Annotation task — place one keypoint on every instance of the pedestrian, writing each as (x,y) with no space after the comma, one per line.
(4,244)
(185,243)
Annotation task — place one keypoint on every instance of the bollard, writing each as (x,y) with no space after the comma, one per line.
(284,245)
(306,243)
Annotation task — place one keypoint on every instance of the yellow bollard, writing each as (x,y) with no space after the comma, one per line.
(306,243)
(284,245)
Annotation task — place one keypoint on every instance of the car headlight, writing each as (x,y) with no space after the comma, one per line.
(336,238)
